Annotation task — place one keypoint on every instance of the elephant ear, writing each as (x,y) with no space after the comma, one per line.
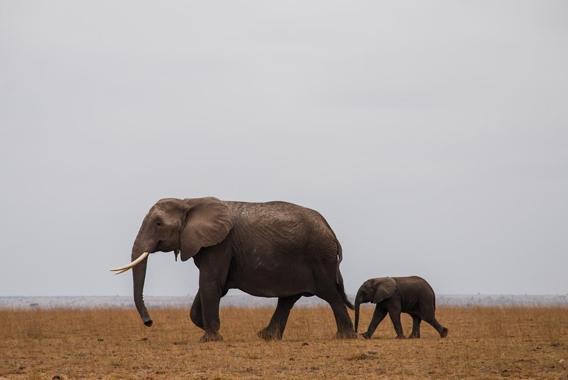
(385,289)
(207,223)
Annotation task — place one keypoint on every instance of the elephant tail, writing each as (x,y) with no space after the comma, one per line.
(341,289)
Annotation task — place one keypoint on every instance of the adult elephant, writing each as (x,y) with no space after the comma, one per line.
(273,249)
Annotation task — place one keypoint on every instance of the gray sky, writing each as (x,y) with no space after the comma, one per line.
(432,135)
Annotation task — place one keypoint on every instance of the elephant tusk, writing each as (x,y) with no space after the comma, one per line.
(121,271)
(131,265)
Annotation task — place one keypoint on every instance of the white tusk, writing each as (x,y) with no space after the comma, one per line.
(131,265)
(121,271)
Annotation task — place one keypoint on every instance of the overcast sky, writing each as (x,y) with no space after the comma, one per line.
(433,136)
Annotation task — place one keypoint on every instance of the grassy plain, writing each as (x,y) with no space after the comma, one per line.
(482,343)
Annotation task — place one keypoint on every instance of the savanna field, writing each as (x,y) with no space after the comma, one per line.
(113,343)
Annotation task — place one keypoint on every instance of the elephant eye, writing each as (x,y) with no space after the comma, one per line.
(158,223)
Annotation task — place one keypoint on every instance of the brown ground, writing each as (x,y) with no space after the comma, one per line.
(483,342)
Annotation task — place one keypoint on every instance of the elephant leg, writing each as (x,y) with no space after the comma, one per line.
(378,315)
(210,298)
(394,315)
(415,327)
(344,325)
(196,312)
(436,325)
(275,329)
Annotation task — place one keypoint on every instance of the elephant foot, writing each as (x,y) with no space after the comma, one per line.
(211,337)
(269,334)
(414,336)
(347,334)
(366,335)
(444,332)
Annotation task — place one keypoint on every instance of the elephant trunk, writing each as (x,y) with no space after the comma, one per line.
(358,300)
(138,278)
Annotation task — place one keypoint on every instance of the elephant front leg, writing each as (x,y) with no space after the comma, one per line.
(275,329)
(395,318)
(378,315)
(196,312)
(210,297)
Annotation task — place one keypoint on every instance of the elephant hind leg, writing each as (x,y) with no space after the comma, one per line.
(415,327)
(275,329)
(436,325)
(343,321)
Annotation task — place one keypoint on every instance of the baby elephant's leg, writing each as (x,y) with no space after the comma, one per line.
(378,315)
(415,327)
(394,314)
(441,329)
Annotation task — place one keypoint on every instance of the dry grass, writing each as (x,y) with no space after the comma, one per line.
(483,342)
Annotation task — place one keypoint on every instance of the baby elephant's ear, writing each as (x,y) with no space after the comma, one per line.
(208,223)
(385,289)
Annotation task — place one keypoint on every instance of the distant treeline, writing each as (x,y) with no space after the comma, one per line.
(244,300)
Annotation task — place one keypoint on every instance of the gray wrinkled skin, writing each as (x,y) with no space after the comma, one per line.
(273,249)
(395,295)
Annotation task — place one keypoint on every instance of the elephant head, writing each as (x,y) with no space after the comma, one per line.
(374,290)
(183,226)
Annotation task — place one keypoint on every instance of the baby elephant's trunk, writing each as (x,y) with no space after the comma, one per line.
(358,300)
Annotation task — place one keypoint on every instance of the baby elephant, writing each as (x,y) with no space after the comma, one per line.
(395,295)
